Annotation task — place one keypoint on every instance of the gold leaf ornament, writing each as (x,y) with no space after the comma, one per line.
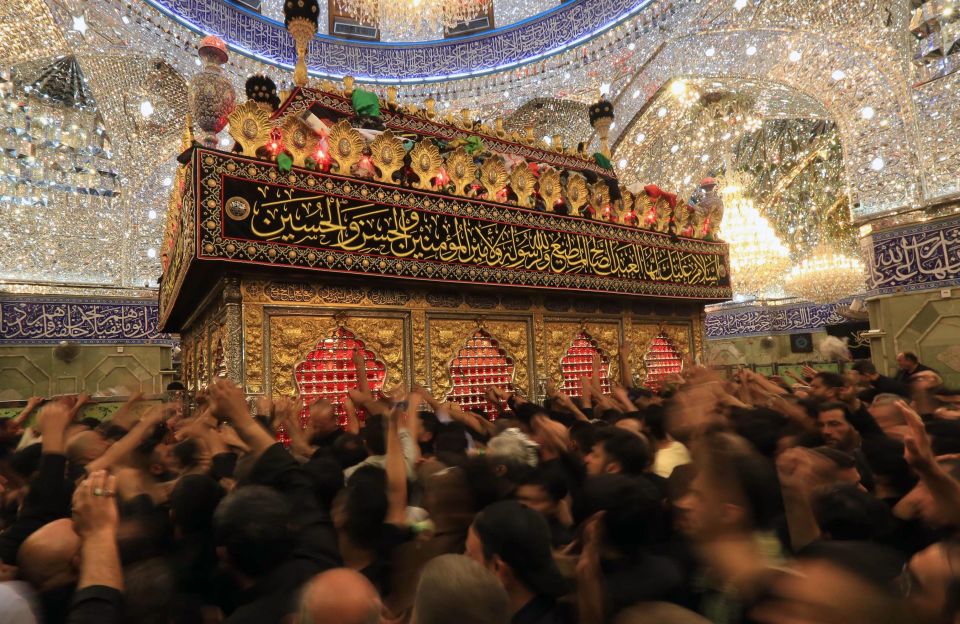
(250,126)
(493,175)
(462,171)
(550,189)
(299,139)
(522,181)
(346,146)
(576,193)
(425,160)
(387,153)
(599,197)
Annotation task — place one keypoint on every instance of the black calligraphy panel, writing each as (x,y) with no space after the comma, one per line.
(325,222)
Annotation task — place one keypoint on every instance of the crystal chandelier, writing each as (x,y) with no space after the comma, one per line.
(414,18)
(758,259)
(826,276)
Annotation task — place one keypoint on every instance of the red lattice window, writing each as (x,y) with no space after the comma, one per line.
(479,364)
(577,363)
(661,360)
(328,372)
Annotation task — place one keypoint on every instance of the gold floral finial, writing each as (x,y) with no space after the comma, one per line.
(493,175)
(387,153)
(576,193)
(521,182)
(299,139)
(425,161)
(599,197)
(462,171)
(550,188)
(250,126)
(346,146)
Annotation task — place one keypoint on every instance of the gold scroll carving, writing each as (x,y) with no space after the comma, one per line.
(560,334)
(292,337)
(446,338)
(513,337)
(418,323)
(253,348)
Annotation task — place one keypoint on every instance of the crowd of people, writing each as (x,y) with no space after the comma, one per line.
(827,498)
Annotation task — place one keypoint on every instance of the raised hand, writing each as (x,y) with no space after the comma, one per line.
(82,399)
(227,400)
(916,443)
(34,401)
(95,506)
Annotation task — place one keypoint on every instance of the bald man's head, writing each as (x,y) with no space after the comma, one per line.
(86,446)
(48,558)
(340,596)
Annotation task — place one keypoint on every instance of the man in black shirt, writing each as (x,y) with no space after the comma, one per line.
(513,542)
(908,363)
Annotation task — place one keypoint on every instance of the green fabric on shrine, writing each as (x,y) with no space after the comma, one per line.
(474,145)
(602,160)
(365,103)
(284,162)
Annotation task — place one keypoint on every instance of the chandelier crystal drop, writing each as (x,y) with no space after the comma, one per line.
(414,18)
(826,276)
(758,259)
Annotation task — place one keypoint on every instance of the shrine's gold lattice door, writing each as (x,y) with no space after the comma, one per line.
(577,363)
(479,364)
(661,360)
(328,372)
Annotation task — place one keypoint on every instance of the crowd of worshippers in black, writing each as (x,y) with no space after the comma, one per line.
(823,498)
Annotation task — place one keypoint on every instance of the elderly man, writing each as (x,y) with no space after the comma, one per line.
(340,596)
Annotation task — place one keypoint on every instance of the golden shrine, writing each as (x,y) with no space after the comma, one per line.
(449,253)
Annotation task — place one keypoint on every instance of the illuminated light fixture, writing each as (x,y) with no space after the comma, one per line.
(152,214)
(636,94)
(877,164)
(414,18)
(146,109)
(167,181)
(711,51)
(758,258)
(751,50)
(640,138)
(674,149)
(662,111)
(838,74)
(740,5)
(79,24)
(795,56)
(867,112)
(622,163)
(685,95)
(151,253)
(825,276)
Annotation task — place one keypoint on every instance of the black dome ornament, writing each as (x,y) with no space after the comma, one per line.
(262,90)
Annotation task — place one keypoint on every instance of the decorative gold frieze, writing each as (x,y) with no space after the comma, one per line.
(462,171)
(387,153)
(425,160)
(250,126)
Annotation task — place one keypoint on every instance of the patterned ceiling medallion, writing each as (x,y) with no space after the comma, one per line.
(237,208)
